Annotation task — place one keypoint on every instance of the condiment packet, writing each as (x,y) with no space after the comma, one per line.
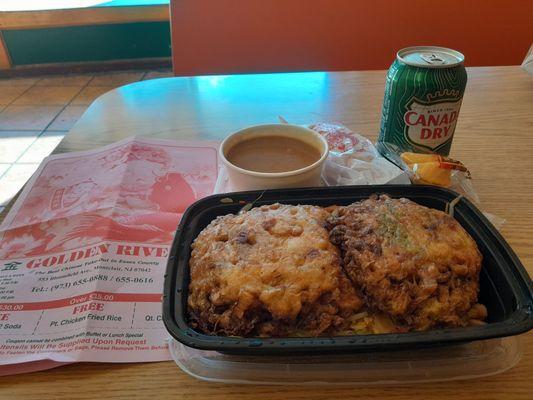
(433,169)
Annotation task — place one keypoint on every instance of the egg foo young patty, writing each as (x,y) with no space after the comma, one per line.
(271,271)
(416,264)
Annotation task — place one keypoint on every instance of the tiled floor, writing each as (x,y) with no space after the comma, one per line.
(37,112)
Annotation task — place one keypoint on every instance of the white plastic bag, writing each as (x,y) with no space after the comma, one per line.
(353,159)
(527,64)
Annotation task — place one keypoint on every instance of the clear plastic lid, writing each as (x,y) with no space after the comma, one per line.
(447,363)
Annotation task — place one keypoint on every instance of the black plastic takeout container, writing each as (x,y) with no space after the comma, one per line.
(505,287)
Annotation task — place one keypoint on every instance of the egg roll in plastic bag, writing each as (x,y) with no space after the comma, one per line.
(434,169)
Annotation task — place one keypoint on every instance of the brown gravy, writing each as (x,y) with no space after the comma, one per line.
(272,154)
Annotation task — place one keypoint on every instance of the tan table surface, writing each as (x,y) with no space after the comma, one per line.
(494,138)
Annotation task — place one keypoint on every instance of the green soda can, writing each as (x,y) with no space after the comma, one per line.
(423,95)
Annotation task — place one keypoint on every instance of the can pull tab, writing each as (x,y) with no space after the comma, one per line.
(433,59)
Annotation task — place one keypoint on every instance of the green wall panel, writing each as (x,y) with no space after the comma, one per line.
(88,43)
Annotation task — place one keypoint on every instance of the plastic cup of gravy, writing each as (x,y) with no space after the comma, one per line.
(274,156)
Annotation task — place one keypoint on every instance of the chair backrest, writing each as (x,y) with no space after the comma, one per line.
(239,36)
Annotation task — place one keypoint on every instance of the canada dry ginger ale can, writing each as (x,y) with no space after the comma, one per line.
(423,95)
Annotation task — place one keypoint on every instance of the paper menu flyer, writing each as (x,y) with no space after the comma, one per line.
(84,249)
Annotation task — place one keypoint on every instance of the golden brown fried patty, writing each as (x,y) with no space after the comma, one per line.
(416,264)
(271,271)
